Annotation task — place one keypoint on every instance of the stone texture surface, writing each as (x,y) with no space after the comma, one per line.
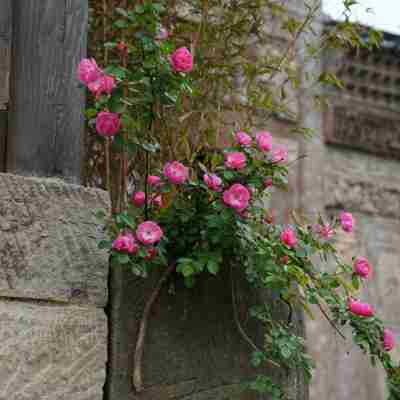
(48,241)
(345,373)
(369,187)
(376,131)
(53,287)
(51,352)
(362,182)
(193,350)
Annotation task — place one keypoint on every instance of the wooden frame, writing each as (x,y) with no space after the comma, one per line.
(5,50)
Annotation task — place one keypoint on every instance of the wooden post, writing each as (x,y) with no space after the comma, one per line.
(5,46)
(46,104)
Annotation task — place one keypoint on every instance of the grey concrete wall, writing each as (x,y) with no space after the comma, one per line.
(53,290)
(369,186)
(360,173)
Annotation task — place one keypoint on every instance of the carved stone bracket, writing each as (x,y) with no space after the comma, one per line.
(374,132)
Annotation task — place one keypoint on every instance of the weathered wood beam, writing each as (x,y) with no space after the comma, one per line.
(46,105)
(5,47)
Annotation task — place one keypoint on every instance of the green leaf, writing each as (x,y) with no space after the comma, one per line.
(187,270)
(90,113)
(105,244)
(158,7)
(213,267)
(355,281)
(139,9)
(120,23)
(119,141)
(121,11)
(127,220)
(285,352)
(123,258)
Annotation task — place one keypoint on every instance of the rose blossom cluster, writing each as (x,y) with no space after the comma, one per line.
(174,172)
(147,234)
(96,80)
(326,231)
(288,237)
(107,123)
(214,182)
(363,268)
(278,153)
(139,199)
(181,60)
(238,196)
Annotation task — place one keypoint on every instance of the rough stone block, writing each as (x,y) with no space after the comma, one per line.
(52,352)
(193,349)
(362,182)
(48,241)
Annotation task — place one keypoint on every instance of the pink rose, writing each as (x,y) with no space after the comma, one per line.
(237,197)
(153,180)
(151,253)
(176,172)
(213,182)
(359,308)
(347,221)
(288,237)
(88,71)
(157,200)
(264,140)
(235,160)
(107,123)
(362,267)
(125,242)
(181,60)
(279,154)
(389,341)
(268,182)
(138,199)
(149,232)
(105,84)
(243,139)
(325,231)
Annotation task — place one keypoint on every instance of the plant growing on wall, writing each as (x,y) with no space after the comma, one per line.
(189,201)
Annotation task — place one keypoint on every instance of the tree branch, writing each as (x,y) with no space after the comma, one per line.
(239,326)
(137,370)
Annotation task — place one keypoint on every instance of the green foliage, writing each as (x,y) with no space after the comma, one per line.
(168,115)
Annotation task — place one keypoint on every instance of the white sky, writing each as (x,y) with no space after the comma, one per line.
(385,14)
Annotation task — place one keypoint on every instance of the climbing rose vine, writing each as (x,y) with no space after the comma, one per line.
(206,213)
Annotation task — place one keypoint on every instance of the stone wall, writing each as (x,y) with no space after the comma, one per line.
(53,290)
(360,173)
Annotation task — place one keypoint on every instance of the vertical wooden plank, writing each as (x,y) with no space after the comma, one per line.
(46,105)
(3,139)
(5,46)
